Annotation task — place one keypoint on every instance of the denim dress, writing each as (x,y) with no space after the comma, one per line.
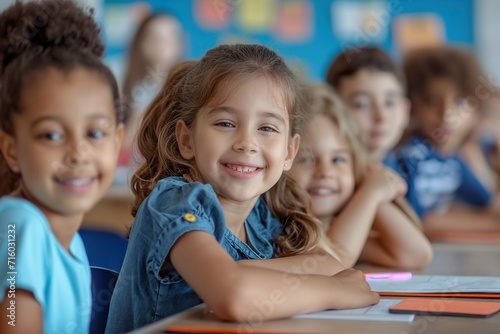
(147,290)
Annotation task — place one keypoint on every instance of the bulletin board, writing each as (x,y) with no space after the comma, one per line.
(307,33)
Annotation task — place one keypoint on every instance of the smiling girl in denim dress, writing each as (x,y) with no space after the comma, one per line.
(216,219)
(60,136)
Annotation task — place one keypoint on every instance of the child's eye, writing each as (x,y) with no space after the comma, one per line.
(96,134)
(268,129)
(225,124)
(51,136)
(339,160)
(361,105)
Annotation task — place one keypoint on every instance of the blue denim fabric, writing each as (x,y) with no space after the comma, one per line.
(148,288)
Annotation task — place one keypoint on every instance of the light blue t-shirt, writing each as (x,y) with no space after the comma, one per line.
(147,290)
(35,261)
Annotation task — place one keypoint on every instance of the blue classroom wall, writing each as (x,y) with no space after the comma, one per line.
(314,54)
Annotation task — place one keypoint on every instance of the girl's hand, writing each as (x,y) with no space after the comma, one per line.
(385,182)
(355,290)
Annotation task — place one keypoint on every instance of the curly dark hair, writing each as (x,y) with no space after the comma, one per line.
(352,60)
(458,64)
(36,36)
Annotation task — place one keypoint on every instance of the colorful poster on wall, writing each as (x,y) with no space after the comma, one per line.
(361,22)
(255,15)
(213,14)
(415,31)
(294,21)
(121,22)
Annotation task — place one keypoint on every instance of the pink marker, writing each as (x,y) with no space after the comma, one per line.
(397,276)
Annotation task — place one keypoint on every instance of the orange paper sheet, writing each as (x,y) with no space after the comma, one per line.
(426,306)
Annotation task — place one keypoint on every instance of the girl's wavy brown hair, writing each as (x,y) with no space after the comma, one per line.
(193,85)
(456,64)
(36,36)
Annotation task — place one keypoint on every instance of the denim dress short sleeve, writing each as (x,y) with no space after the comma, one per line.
(175,210)
(148,287)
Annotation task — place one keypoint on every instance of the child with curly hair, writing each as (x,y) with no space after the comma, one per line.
(60,134)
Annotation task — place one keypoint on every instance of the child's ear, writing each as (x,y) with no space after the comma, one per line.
(184,140)
(8,148)
(293,148)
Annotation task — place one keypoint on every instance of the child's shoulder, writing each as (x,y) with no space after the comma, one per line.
(18,210)
(176,194)
(179,188)
(28,223)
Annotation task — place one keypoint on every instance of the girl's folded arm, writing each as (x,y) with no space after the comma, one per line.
(399,242)
(316,261)
(238,292)
(352,226)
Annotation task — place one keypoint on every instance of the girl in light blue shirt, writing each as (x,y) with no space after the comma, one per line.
(59,139)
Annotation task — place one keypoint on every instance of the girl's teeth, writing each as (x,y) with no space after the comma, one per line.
(322,191)
(76,182)
(243,169)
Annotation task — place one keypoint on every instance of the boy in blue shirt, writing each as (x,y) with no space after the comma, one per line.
(441,86)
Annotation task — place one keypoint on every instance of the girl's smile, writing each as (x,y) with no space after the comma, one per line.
(242,171)
(75,185)
(241,145)
(322,191)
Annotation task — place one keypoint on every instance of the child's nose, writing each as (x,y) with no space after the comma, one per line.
(77,152)
(245,142)
(378,113)
(324,170)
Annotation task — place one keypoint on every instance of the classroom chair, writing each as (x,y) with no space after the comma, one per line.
(103,284)
(104,248)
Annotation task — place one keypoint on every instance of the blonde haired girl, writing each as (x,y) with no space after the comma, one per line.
(356,201)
